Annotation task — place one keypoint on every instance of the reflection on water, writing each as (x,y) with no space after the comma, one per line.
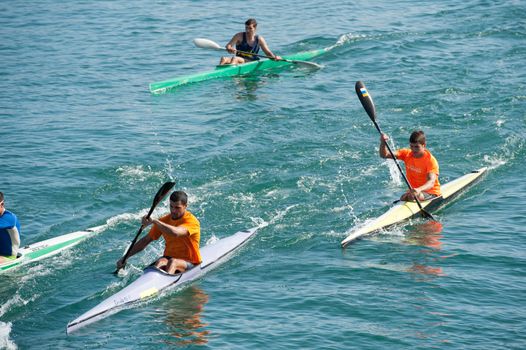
(246,87)
(427,234)
(183,318)
(426,270)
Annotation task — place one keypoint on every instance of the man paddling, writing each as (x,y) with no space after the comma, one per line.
(246,42)
(421,167)
(181,232)
(9,233)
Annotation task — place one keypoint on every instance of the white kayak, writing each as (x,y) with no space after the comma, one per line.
(407,210)
(153,280)
(49,247)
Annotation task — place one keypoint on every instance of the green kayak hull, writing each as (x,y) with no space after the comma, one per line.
(234,70)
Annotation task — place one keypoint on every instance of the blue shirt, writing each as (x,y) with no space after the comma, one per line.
(9,234)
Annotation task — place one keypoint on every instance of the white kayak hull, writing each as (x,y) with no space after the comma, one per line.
(47,248)
(406,210)
(153,281)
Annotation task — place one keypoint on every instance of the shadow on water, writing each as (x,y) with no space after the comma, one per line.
(183,318)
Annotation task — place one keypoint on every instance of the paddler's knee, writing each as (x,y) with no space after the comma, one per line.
(225,60)
(161,262)
(175,265)
(237,60)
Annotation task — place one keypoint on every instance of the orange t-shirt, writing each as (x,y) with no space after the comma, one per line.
(186,247)
(418,168)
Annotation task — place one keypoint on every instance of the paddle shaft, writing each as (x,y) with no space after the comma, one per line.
(397,164)
(310,64)
(134,240)
(163,191)
(304,63)
(209,44)
(258,55)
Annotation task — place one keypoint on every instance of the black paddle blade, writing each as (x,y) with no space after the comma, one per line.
(365,99)
(163,191)
(427,215)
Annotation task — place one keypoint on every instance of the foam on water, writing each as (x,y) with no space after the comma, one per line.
(138,172)
(5,342)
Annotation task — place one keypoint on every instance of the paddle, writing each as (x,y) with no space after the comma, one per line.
(163,191)
(212,45)
(368,105)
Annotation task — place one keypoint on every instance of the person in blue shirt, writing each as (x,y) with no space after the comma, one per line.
(9,233)
(247,41)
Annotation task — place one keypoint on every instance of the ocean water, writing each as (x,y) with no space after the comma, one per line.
(292,151)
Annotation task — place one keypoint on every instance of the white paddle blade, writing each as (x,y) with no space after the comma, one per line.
(207,44)
(308,64)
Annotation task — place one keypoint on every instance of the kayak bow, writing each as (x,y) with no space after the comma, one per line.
(153,281)
(406,210)
(234,70)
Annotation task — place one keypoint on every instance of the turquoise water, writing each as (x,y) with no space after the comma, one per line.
(292,151)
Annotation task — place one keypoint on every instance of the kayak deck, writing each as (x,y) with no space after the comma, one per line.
(47,248)
(234,70)
(153,281)
(406,210)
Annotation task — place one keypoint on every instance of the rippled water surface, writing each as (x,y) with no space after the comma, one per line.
(84,143)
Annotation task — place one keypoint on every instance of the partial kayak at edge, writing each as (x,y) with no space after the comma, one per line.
(49,247)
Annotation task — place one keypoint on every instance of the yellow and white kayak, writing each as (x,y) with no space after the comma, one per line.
(407,210)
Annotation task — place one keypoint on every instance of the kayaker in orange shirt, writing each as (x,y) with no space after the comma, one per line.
(421,167)
(246,41)
(181,232)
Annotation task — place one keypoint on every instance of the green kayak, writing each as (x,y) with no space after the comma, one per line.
(234,70)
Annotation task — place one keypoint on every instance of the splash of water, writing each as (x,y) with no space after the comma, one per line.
(5,342)
(396,178)
(137,173)
(348,38)
(512,146)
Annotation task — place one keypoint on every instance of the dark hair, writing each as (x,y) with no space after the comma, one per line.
(251,21)
(1,196)
(179,196)
(417,136)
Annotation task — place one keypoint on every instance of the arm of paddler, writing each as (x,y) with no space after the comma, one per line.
(267,51)
(171,230)
(382,150)
(137,247)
